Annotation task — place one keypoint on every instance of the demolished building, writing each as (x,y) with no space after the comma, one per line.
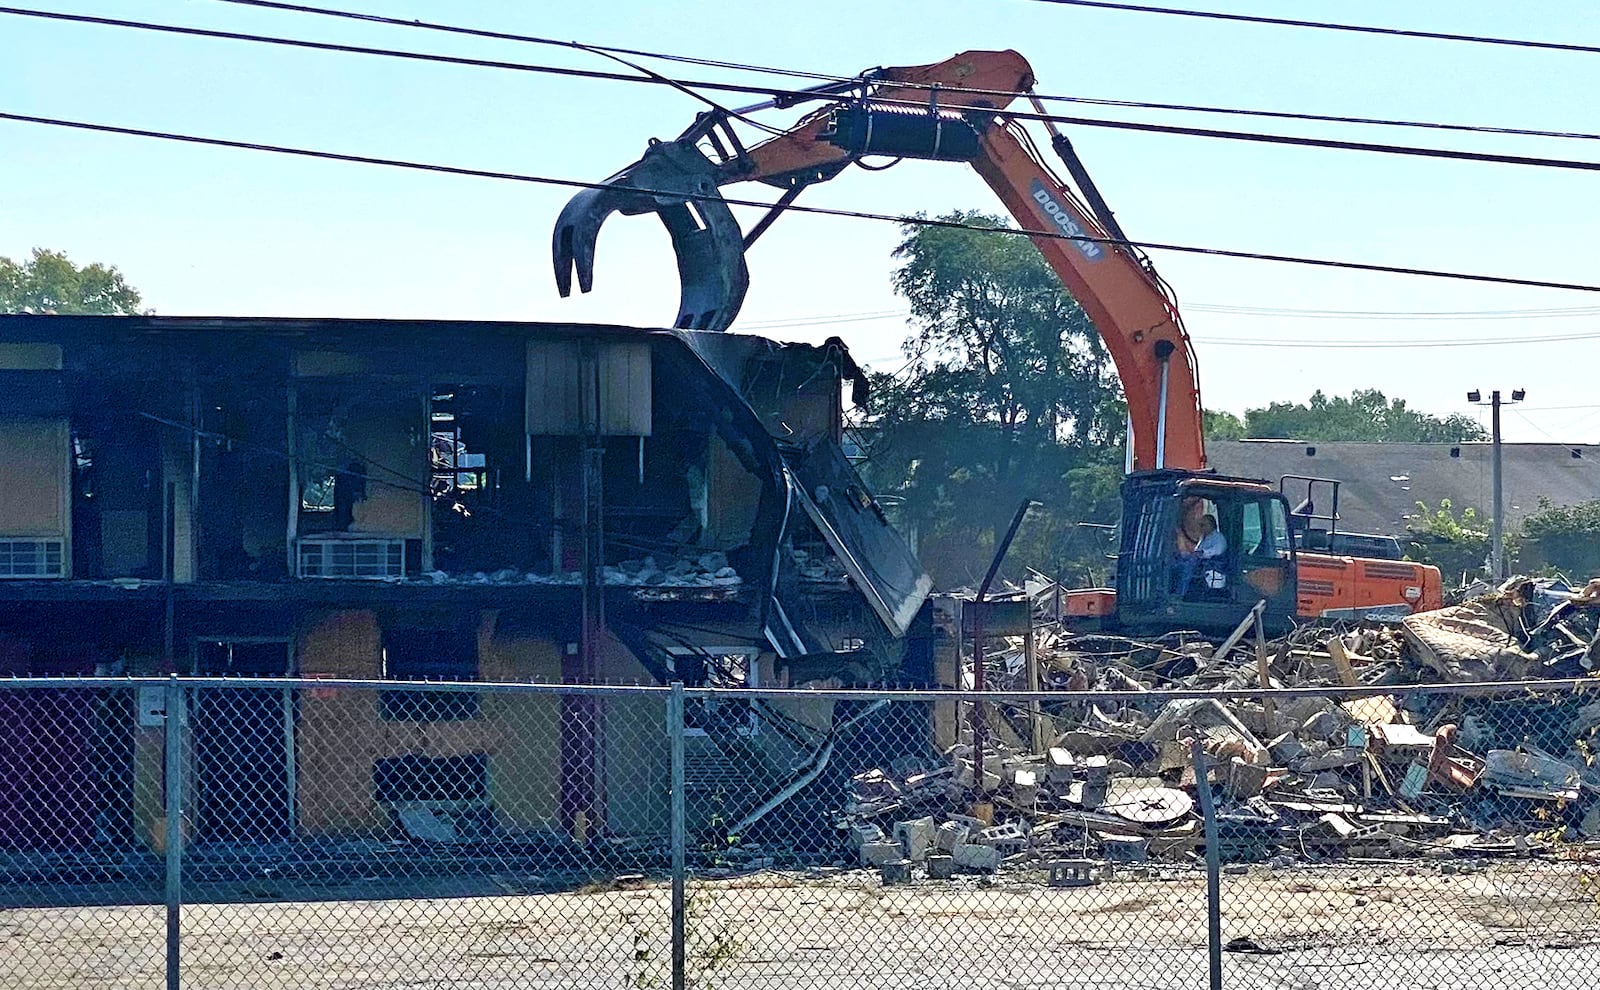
(367,499)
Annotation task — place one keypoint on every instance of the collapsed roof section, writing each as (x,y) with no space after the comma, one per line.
(784,386)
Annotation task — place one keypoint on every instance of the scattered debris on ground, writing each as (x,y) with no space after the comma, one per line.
(1367,765)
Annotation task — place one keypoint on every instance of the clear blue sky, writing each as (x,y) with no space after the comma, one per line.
(212,231)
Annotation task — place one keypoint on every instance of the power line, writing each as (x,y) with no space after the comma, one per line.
(528,39)
(1393,344)
(689,87)
(1351,315)
(1310,142)
(1381,316)
(827,77)
(1330,26)
(1560,443)
(902,221)
(1326,118)
(329,46)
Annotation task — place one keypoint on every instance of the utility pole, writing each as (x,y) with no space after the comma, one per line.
(1497,544)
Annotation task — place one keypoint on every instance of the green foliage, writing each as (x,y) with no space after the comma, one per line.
(1457,544)
(1222,425)
(1367,414)
(709,947)
(1564,538)
(1009,395)
(49,282)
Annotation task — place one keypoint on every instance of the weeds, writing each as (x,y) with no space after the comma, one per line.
(709,947)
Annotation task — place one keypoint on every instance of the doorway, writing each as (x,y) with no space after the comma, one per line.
(243,742)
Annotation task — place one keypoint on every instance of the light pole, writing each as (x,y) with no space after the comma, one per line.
(1497,545)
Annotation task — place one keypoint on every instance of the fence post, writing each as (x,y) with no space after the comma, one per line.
(680,838)
(173,759)
(1202,786)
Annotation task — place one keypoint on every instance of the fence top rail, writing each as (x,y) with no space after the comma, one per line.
(1581,685)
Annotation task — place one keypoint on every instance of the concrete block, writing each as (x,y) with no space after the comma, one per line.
(916,837)
(951,834)
(1025,786)
(1072,873)
(991,778)
(1009,837)
(1060,766)
(972,856)
(896,871)
(941,867)
(881,852)
(862,834)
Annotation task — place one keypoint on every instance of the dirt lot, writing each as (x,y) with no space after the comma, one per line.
(1514,924)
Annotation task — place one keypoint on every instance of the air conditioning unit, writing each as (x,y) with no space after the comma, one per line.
(31,558)
(345,558)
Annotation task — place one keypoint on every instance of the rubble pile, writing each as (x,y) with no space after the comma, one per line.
(701,570)
(1370,765)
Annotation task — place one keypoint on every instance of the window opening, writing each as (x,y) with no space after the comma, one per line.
(430,655)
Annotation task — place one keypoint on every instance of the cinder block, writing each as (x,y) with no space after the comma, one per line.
(897,871)
(950,835)
(971,856)
(862,834)
(1061,766)
(1025,786)
(916,837)
(941,867)
(881,852)
(1072,873)
(1009,837)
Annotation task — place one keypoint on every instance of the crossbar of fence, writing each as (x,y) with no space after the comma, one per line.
(1574,686)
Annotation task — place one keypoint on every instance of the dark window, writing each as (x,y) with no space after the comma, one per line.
(429,655)
(404,779)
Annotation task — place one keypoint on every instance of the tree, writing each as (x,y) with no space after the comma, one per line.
(1222,425)
(1366,415)
(1009,395)
(1565,538)
(49,282)
(1456,544)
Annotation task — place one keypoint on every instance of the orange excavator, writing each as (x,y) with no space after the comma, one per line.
(1172,570)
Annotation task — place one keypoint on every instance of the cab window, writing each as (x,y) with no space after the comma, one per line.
(1265,529)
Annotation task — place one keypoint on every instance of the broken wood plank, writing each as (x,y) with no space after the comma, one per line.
(1341,662)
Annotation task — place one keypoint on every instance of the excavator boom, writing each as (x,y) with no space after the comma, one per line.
(948,111)
(955,110)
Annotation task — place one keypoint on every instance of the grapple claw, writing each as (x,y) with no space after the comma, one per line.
(675,181)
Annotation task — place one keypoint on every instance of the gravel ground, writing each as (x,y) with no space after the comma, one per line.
(1514,924)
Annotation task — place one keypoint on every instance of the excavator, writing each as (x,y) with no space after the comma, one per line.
(955,111)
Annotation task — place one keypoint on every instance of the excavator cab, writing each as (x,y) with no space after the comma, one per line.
(1200,550)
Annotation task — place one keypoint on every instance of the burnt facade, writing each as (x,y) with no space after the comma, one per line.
(425,500)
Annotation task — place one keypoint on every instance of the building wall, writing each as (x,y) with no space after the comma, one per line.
(525,760)
(35,454)
(338,738)
(397,472)
(177,460)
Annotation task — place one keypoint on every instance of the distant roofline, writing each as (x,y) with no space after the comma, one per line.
(1266,441)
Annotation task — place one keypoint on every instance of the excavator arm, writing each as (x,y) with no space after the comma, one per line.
(948,111)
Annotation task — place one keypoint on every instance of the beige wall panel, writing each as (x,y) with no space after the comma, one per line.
(36,461)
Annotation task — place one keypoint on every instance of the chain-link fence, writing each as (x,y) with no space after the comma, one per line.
(317,833)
